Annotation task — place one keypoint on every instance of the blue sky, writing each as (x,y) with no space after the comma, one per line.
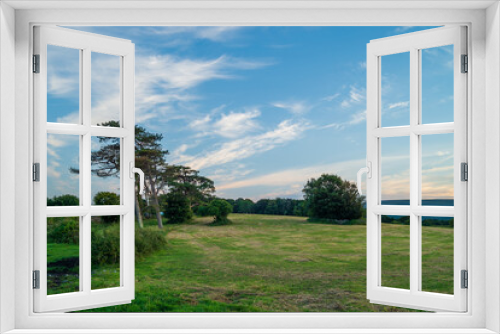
(258,109)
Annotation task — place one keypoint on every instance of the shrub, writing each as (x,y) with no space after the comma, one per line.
(63,230)
(220,209)
(106,244)
(202,211)
(176,208)
(63,200)
(107,198)
(148,241)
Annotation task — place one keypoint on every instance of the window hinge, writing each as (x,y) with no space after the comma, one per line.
(36,279)
(36,172)
(464,171)
(465,64)
(36,63)
(465,279)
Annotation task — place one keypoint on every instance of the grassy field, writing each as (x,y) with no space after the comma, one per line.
(276,264)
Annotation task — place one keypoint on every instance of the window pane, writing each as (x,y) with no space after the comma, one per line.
(437,254)
(437,170)
(395,170)
(106,89)
(105,246)
(63,85)
(396,251)
(395,89)
(437,84)
(63,170)
(105,171)
(63,255)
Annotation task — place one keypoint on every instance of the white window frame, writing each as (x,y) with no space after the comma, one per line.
(86,44)
(484,50)
(413,44)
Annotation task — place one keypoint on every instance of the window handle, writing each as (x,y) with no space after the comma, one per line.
(139,171)
(368,171)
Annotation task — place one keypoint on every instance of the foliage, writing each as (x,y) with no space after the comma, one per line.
(186,181)
(147,242)
(278,206)
(220,209)
(426,221)
(64,230)
(330,197)
(106,243)
(176,208)
(63,200)
(107,198)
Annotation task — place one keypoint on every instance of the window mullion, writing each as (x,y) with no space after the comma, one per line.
(85,242)
(414,171)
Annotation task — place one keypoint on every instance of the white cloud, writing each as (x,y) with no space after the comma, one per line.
(216,34)
(164,80)
(246,147)
(356,118)
(356,97)
(399,105)
(231,125)
(331,97)
(346,169)
(296,108)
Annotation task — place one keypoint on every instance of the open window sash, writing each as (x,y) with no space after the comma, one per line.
(86,44)
(414,44)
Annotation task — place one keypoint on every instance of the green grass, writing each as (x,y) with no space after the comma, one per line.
(263,263)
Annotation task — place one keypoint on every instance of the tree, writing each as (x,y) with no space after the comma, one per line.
(220,209)
(150,157)
(107,198)
(63,200)
(330,197)
(184,180)
(176,208)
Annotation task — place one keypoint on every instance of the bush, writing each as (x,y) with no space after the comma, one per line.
(148,241)
(107,198)
(176,208)
(220,209)
(63,230)
(106,244)
(63,200)
(201,211)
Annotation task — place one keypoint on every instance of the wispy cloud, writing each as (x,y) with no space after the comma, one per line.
(215,34)
(296,108)
(231,125)
(398,105)
(356,97)
(246,147)
(294,176)
(356,118)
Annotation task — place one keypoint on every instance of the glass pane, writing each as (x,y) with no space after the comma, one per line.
(105,240)
(437,84)
(437,254)
(395,89)
(63,85)
(105,178)
(106,89)
(63,169)
(63,255)
(395,170)
(396,251)
(437,170)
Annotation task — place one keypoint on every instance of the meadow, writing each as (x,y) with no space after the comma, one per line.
(266,263)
